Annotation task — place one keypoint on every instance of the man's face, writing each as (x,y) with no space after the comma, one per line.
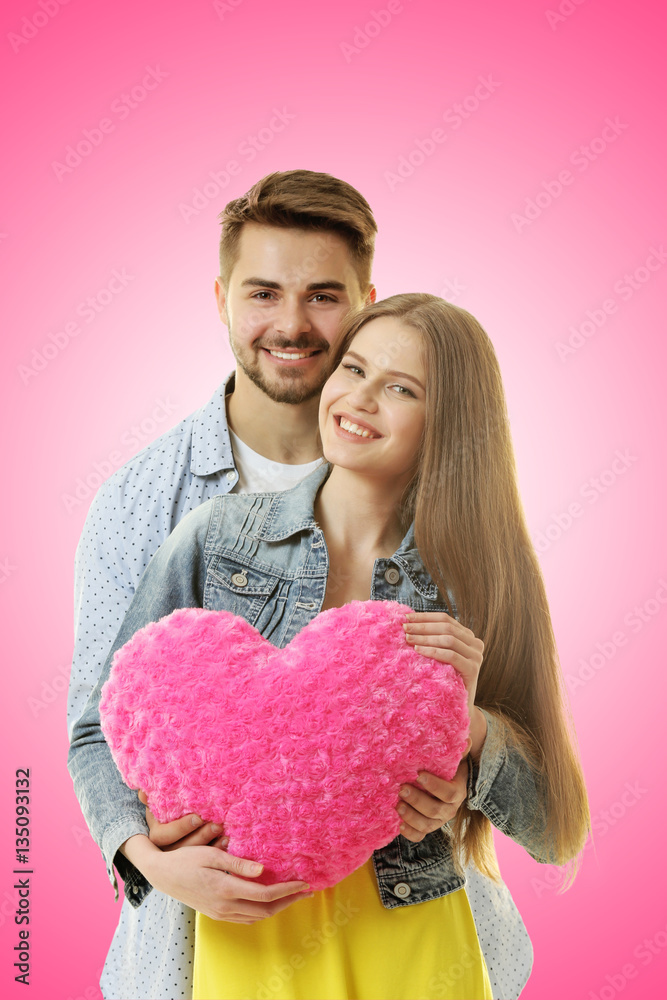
(288,293)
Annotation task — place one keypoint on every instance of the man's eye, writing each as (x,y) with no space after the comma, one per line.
(324,298)
(263,296)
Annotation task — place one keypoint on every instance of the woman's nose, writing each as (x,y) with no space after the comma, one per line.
(363,397)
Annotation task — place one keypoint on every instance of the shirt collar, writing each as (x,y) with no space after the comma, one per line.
(211,446)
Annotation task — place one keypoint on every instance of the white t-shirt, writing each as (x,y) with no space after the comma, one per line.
(258,474)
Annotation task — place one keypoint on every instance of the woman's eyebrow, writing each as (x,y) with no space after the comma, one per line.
(411,378)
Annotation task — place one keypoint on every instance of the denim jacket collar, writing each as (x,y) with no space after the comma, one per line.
(292,511)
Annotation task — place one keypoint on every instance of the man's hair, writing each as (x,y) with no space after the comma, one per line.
(302,199)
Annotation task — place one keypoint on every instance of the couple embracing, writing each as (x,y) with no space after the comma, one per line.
(374,437)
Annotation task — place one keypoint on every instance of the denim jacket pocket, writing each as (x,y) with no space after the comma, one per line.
(409,873)
(233,586)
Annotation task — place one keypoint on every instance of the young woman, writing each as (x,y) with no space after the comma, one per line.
(419,504)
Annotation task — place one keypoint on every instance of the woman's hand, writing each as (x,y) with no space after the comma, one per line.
(428,807)
(438,635)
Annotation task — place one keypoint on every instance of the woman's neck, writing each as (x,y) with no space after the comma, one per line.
(359,514)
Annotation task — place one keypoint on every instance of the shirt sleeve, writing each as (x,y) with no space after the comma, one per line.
(175,578)
(508,790)
(104,585)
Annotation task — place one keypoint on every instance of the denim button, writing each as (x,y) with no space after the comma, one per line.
(135,889)
(392,575)
(402,890)
(239,580)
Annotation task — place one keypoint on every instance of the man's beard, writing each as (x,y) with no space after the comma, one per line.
(291,385)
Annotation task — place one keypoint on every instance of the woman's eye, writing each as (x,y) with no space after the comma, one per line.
(354,369)
(401,390)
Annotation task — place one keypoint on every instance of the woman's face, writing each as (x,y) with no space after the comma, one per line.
(372,407)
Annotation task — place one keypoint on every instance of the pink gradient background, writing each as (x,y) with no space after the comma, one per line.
(448,226)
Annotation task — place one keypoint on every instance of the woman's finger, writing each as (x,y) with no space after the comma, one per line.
(449,642)
(461,663)
(452,792)
(429,616)
(445,624)
(427,806)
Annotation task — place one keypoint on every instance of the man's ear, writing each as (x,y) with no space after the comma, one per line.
(372,295)
(221,299)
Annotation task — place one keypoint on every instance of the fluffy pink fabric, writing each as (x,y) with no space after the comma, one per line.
(299,751)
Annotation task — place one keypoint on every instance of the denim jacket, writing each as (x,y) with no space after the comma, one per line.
(264,557)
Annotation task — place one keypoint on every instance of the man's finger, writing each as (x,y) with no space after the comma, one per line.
(239,888)
(207,835)
(249,912)
(165,834)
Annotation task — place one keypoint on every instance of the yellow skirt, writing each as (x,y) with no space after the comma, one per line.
(342,944)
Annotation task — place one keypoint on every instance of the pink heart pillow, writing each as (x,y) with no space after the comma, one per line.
(299,752)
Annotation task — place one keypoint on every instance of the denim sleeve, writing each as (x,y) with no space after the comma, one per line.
(174,578)
(508,791)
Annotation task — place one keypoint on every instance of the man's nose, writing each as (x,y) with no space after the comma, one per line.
(292,319)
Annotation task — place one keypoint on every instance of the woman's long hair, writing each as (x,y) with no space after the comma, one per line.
(471,533)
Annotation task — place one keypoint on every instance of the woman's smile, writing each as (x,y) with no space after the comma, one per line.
(352,427)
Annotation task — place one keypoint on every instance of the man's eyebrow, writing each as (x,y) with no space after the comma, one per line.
(351,354)
(315,286)
(330,283)
(261,283)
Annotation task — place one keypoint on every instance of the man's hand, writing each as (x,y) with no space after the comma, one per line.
(211,881)
(426,808)
(188,831)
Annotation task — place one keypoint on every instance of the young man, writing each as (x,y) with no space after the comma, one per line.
(295,256)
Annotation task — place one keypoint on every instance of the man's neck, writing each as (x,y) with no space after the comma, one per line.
(282,432)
